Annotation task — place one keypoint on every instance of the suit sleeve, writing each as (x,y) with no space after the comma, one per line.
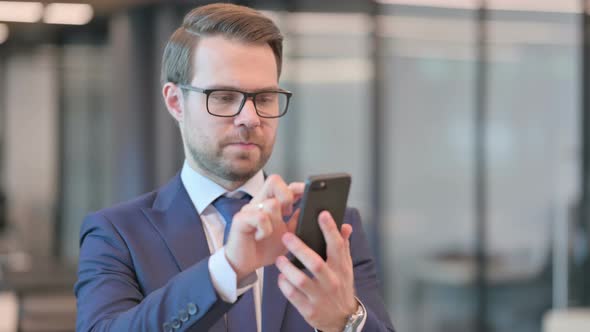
(365,277)
(109,297)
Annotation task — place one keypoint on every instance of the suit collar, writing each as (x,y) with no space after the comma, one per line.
(175,218)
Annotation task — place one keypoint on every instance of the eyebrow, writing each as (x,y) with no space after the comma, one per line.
(229,87)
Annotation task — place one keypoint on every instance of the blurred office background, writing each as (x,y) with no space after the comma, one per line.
(464,123)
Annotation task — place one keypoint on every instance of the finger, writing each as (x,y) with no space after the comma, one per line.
(254,206)
(334,241)
(309,258)
(296,277)
(272,209)
(285,197)
(295,296)
(346,231)
(292,223)
(272,206)
(269,205)
(264,229)
(297,189)
(268,188)
(275,187)
(252,222)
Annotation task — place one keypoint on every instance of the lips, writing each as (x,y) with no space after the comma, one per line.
(244,142)
(245,145)
(244,138)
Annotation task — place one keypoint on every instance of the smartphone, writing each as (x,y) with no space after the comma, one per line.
(322,192)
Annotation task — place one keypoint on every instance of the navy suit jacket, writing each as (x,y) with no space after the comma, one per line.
(144,267)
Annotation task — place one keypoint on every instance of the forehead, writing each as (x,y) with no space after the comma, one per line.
(219,61)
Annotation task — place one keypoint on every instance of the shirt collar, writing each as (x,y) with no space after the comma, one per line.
(203,191)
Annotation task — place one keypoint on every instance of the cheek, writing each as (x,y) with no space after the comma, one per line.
(195,129)
(270,131)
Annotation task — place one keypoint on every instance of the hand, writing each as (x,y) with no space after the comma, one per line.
(326,300)
(255,236)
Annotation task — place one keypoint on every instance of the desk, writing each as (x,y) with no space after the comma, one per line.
(567,320)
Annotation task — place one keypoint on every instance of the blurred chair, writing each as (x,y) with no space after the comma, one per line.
(518,292)
(567,320)
(50,312)
(8,312)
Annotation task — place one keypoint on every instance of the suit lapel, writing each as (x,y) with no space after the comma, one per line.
(273,301)
(175,218)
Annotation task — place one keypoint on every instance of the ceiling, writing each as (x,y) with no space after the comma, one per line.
(23,34)
(105,7)
(34,33)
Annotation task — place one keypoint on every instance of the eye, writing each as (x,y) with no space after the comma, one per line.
(224,97)
(266,98)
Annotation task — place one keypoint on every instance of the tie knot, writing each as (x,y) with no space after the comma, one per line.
(229,206)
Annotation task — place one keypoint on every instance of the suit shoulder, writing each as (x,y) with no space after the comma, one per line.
(123,211)
(352,215)
(137,203)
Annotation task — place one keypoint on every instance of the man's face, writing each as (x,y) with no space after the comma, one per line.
(229,149)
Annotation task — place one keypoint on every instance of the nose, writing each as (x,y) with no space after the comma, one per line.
(248,116)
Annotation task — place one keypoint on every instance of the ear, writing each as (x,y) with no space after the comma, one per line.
(174,100)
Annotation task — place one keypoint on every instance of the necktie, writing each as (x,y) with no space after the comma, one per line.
(228,207)
(242,315)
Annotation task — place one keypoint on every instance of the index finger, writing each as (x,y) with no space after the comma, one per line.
(275,187)
(334,239)
(312,261)
(297,189)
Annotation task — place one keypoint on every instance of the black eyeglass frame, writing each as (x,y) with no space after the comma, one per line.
(246,95)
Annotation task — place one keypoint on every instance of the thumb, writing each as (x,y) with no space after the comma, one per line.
(292,223)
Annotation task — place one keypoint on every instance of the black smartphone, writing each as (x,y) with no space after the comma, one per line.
(322,192)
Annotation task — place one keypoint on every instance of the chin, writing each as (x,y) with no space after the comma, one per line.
(240,175)
(245,171)
(241,170)
(243,166)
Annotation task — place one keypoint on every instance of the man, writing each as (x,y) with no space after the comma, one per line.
(169,260)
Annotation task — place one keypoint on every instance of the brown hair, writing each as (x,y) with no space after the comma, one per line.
(228,20)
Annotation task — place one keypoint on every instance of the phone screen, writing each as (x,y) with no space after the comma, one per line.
(322,192)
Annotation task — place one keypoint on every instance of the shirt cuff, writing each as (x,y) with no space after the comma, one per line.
(224,278)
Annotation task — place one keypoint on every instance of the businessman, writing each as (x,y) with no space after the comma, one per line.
(206,252)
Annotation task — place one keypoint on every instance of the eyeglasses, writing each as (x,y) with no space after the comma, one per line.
(229,102)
